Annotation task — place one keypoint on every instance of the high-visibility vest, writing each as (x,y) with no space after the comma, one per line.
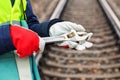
(9,13)
(11,67)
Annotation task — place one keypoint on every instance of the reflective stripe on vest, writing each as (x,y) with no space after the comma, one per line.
(13,22)
(9,13)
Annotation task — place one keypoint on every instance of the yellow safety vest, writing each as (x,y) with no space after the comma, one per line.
(9,13)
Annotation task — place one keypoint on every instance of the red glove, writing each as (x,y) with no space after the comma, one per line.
(24,40)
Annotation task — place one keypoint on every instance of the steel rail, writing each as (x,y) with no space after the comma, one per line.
(58,10)
(111,15)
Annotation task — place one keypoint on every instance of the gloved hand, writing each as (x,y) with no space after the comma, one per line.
(61,28)
(25,41)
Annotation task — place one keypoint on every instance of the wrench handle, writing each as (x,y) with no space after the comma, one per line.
(54,39)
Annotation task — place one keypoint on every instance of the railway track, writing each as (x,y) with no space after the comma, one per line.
(101,62)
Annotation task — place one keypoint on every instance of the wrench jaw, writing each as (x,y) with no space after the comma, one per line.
(84,35)
(78,37)
(89,36)
(83,39)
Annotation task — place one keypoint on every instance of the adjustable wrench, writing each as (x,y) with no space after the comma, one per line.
(79,37)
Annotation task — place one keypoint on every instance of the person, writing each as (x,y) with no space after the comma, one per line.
(13,35)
